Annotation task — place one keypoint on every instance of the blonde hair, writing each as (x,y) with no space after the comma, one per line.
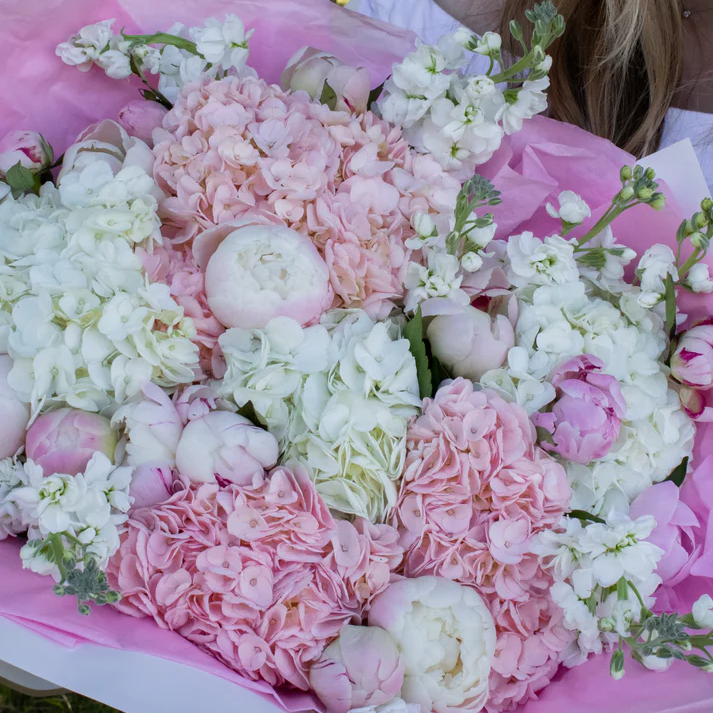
(617,67)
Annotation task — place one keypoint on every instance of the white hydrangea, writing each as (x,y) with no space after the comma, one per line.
(603,486)
(338,396)
(85,327)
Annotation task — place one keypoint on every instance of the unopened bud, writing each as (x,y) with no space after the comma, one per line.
(700,220)
(650,174)
(626,173)
(626,194)
(658,202)
(700,241)
(707,205)
(616,668)
(645,194)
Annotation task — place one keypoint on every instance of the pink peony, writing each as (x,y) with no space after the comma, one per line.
(263,579)
(241,150)
(692,362)
(586,418)
(476,490)
(27,148)
(260,272)
(362,667)
(224,447)
(140,117)
(64,441)
(150,485)
(15,414)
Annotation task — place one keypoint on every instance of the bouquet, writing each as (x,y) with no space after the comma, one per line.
(270,378)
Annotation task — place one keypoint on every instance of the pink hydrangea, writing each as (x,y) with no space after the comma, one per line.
(262,579)
(235,149)
(476,490)
(586,418)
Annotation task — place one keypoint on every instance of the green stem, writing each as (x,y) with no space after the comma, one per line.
(164,39)
(692,260)
(55,541)
(516,68)
(607,219)
(638,596)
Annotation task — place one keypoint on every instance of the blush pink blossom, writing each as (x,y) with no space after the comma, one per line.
(692,362)
(476,491)
(15,414)
(362,667)
(241,150)
(150,485)
(27,148)
(586,418)
(65,440)
(263,579)
(141,117)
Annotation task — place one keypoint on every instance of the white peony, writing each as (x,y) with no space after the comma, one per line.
(398,705)
(447,638)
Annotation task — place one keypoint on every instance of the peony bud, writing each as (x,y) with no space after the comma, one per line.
(224,447)
(362,667)
(64,441)
(692,363)
(470,343)
(309,69)
(150,485)
(14,415)
(141,117)
(28,149)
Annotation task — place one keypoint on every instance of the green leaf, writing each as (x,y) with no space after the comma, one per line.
(670,307)
(544,436)
(374,95)
(329,97)
(248,411)
(21,179)
(586,516)
(413,331)
(439,373)
(679,474)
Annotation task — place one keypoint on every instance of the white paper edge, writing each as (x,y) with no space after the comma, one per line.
(129,681)
(678,166)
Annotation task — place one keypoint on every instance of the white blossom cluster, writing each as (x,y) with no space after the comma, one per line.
(587,563)
(192,53)
(338,396)
(87,510)
(458,119)
(78,315)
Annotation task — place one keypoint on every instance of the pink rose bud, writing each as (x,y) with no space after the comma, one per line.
(150,485)
(14,415)
(64,441)
(586,418)
(224,447)
(362,667)
(309,69)
(28,149)
(471,343)
(692,363)
(141,117)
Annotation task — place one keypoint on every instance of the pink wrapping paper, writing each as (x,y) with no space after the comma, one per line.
(38,92)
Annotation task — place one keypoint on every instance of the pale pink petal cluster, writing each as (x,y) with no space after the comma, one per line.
(692,363)
(264,579)
(476,491)
(238,148)
(586,418)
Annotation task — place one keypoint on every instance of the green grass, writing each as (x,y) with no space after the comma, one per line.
(11,702)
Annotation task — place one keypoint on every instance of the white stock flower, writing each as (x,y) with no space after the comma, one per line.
(610,276)
(223,43)
(703,612)
(599,488)
(471,262)
(489,44)
(447,638)
(441,277)
(12,476)
(531,100)
(699,279)
(540,262)
(572,210)
(656,264)
(85,47)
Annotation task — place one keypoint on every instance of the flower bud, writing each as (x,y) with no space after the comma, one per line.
(64,441)
(616,668)
(700,219)
(465,38)
(362,667)
(644,194)
(658,202)
(471,262)
(625,194)
(489,44)
(470,343)
(27,148)
(692,362)
(309,69)
(14,414)
(141,117)
(626,173)
(423,224)
(699,241)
